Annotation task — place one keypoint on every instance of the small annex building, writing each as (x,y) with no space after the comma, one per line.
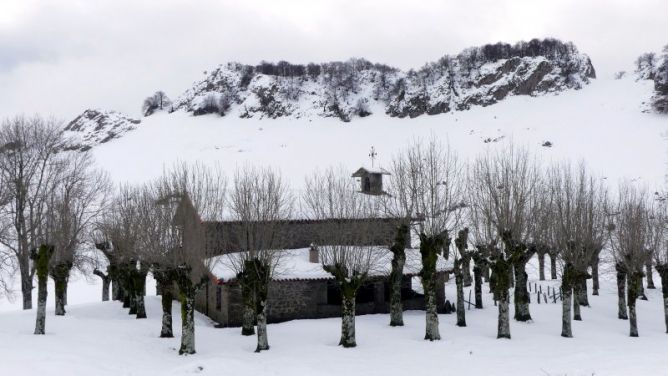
(301,289)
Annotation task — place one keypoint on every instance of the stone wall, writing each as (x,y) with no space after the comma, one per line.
(306,299)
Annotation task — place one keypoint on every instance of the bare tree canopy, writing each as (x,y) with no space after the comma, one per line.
(28,162)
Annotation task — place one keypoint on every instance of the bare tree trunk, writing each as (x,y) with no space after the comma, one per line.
(621,293)
(140,291)
(41,258)
(187,323)
(576,303)
(348,321)
(663,273)
(60,274)
(430,246)
(567,291)
(594,276)
(634,280)
(398,250)
(396,278)
(26,283)
(431,330)
(466,271)
(105,284)
(61,289)
(583,298)
(459,282)
(522,298)
(553,266)
(477,282)
(503,330)
(650,278)
(262,340)
(541,266)
(262,292)
(248,315)
(167,298)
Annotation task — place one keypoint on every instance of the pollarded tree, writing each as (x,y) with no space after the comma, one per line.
(260,201)
(331,197)
(28,147)
(399,204)
(159,242)
(199,194)
(75,203)
(657,242)
(504,186)
(435,187)
(578,212)
(121,232)
(628,236)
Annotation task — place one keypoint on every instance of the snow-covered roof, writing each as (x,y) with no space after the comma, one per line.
(294,265)
(365,170)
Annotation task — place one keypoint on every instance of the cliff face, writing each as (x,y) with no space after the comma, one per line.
(94,127)
(651,66)
(478,76)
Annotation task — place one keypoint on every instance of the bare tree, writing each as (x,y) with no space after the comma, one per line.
(160,240)
(260,201)
(332,198)
(121,242)
(579,229)
(461,245)
(399,204)
(75,203)
(503,192)
(435,190)
(628,235)
(27,148)
(156,102)
(199,194)
(657,242)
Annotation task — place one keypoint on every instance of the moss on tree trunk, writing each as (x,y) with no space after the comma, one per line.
(430,246)
(41,257)
(501,269)
(398,250)
(567,293)
(477,283)
(621,292)
(348,320)
(459,283)
(634,282)
(594,276)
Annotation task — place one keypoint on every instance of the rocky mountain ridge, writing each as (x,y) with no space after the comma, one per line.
(94,127)
(478,76)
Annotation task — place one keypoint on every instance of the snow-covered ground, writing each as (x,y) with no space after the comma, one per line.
(601,123)
(100,338)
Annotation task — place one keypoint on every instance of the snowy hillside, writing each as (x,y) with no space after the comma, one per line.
(478,76)
(94,127)
(598,123)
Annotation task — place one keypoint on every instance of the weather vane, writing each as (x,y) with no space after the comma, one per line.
(372,155)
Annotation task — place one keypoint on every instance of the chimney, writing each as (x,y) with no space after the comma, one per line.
(313,255)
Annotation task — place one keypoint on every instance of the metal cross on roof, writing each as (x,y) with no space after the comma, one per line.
(372,155)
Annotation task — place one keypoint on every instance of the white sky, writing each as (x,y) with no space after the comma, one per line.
(61,57)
